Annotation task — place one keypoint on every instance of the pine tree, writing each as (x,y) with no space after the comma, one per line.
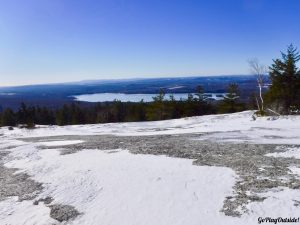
(22,114)
(26,115)
(230,103)
(189,109)
(63,116)
(199,93)
(31,115)
(285,77)
(202,106)
(173,108)
(8,118)
(156,110)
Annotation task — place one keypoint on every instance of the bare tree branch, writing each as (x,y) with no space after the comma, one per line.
(259,70)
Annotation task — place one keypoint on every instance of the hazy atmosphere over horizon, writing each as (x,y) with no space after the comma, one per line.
(45,41)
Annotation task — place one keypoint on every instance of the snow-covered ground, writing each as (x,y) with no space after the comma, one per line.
(227,127)
(122,188)
(117,187)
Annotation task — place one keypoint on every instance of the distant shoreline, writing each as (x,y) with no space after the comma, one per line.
(123,97)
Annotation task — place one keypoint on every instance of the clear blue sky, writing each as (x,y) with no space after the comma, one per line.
(44,41)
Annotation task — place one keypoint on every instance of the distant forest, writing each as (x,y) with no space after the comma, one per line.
(161,108)
(281,97)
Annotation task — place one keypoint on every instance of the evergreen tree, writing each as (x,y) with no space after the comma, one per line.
(141,111)
(156,110)
(202,107)
(76,114)
(26,115)
(230,103)
(63,116)
(173,107)
(285,77)
(46,116)
(8,118)
(22,114)
(117,111)
(199,93)
(134,111)
(189,109)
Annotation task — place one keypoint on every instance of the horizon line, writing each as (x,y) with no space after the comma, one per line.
(123,79)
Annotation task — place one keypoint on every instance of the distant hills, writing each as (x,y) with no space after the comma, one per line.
(54,95)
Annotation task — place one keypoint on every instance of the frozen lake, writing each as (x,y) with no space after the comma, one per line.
(108,97)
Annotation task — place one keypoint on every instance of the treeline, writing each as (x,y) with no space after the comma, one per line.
(282,96)
(163,107)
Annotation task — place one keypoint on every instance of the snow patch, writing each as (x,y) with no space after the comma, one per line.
(279,203)
(290,153)
(124,188)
